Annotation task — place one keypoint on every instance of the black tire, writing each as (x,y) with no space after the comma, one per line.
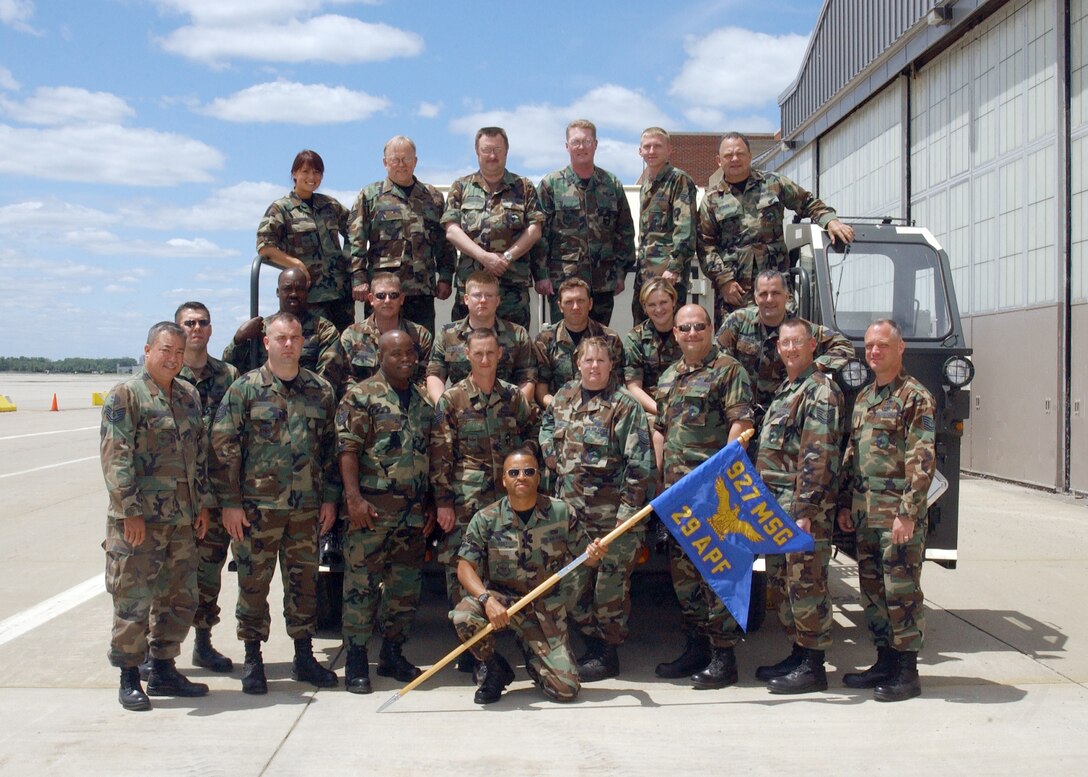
(330,600)
(757,605)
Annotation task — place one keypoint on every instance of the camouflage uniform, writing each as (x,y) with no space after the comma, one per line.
(740,230)
(887,469)
(588,234)
(554,351)
(359,342)
(275,457)
(471,436)
(666,232)
(799,461)
(311,234)
(448,359)
(512,557)
(697,407)
(604,460)
(744,337)
(321,351)
(400,232)
(154,461)
(211,384)
(383,565)
(494,220)
(647,354)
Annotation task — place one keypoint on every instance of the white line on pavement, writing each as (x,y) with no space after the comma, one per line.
(39,434)
(47,466)
(32,617)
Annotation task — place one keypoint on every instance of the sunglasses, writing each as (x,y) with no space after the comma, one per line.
(514,472)
(382,295)
(699,327)
(195,322)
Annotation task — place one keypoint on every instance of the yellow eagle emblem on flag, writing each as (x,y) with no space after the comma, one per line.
(727,518)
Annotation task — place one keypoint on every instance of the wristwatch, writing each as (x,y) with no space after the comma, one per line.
(482,598)
(509,257)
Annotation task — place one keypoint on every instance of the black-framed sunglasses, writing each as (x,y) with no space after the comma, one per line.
(698,326)
(387,295)
(514,472)
(195,322)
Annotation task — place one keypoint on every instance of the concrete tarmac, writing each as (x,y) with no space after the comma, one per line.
(1003,671)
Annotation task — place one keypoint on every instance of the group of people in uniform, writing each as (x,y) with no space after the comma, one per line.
(509,454)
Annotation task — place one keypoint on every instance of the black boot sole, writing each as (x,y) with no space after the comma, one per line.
(136,705)
(360,685)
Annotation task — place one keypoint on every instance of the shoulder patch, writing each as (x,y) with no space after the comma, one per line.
(114,412)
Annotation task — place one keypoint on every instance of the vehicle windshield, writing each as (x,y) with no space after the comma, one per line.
(901,281)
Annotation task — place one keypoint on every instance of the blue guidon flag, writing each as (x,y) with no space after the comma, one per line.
(723,514)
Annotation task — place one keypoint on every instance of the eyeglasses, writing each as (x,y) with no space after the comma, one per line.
(698,327)
(193,323)
(383,295)
(482,295)
(492,151)
(400,160)
(581,143)
(514,472)
(797,343)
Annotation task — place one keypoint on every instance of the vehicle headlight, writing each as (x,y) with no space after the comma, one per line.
(855,374)
(958,371)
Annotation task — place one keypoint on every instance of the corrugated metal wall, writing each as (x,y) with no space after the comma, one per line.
(849,36)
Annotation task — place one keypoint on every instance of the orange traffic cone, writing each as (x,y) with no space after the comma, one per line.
(54,407)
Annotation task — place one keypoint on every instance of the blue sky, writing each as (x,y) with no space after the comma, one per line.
(142,140)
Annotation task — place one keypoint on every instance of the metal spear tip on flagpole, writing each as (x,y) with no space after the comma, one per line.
(389,702)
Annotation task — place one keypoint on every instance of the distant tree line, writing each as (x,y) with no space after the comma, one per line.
(72,364)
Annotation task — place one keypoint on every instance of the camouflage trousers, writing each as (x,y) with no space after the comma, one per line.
(800,579)
(341,312)
(382,575)
(153,587)
(212,555)
(599,599)
(541,634)
(513,304)
(701,608)
(890,578)
(291,537)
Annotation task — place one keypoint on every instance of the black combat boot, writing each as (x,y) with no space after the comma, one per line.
(783,667)
(696,655)
(131,695)
(593,648)
(208,657)
(391,663)
(882,670)
(306,669)
(601,666)
(809,675)
(357,671)
(499,675)
(721,672)
(904,683)
(145,667)
(253,679)
(166,680)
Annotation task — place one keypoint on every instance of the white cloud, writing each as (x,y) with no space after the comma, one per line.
(221,12)
(714,120)
(328,38)
(55,105)
(428,110)
(43,216)
(8,81)
(438,176)
(736,68)
(237,207)
(106,153)
(287,102)
(16,14)
(537,131)
(104,243)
